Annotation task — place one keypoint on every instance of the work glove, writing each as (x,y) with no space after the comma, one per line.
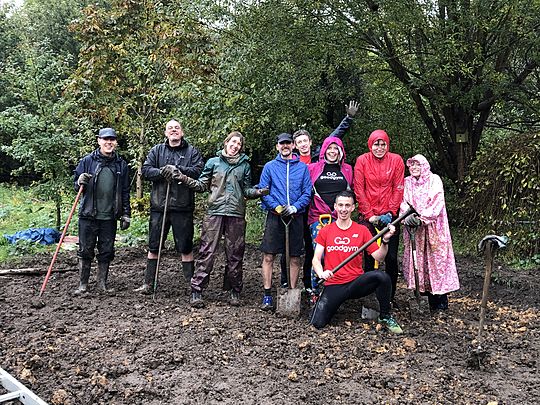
(262,191)
(288,210)
(181,178)
(385,219)
(168,172)
(125,221)
(84,178)
(412,221)
(352,108)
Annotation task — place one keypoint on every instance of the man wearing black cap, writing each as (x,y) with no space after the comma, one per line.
(289,183)
(104,177)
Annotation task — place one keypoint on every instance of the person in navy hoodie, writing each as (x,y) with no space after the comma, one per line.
(104,177)
(289,184)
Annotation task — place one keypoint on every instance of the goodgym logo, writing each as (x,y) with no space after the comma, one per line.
(341,244)
(342,241)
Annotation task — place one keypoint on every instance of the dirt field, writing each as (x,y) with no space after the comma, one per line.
(126,349)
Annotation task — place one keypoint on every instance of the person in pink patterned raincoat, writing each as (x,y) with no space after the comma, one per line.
(435,257)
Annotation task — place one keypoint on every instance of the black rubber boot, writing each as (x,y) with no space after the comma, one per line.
(84,273)
(102,274)
(149,275)
(188,268)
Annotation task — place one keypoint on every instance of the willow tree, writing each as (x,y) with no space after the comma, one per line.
(134,56)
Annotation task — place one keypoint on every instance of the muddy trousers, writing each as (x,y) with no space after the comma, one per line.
(334,295)
(234,231)
(390,262)
(100,232)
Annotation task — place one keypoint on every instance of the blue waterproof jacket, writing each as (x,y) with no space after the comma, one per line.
(93,163)
(289,184)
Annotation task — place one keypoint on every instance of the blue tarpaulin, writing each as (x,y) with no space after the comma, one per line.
(45,236)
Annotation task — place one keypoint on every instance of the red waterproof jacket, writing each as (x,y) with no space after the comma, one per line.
(378,183)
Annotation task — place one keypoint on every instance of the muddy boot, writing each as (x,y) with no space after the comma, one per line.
(149,275)
(102,274)
(188,269)
(84,273)
(196,300)
(234,300)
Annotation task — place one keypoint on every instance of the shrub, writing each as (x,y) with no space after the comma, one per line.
(502,192)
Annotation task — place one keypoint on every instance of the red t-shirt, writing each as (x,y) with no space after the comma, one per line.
(338,245)
(305,159)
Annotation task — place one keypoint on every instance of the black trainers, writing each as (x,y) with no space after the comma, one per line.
(234,300)
(196,300)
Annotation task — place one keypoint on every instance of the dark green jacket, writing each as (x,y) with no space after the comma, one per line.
(229,185)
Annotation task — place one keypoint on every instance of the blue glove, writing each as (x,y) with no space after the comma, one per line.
(385,219)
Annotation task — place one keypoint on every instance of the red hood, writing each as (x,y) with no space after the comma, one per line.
(376,135)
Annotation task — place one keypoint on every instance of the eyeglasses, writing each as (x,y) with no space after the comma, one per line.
(381,145)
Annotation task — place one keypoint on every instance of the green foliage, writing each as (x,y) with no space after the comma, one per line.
(255,219)
(140,206)
(133,57)
(22,209)
(456,61)
(502,192)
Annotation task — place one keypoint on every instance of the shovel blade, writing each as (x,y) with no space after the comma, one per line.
(418,308)
(289,302)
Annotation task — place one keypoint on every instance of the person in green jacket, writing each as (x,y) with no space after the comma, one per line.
(227,177)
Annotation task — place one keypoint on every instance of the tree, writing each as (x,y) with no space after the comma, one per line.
(34,119)
(458,60)
(134,56)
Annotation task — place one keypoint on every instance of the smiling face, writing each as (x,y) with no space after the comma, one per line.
(303,144)
(415,169)
(174,133)
(107,145)
(233,146)
(332,153)
(344,207)
(379,148)
(285,149)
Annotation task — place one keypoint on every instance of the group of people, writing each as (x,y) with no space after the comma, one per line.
(308,195)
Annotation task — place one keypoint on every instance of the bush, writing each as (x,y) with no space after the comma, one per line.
(502,192)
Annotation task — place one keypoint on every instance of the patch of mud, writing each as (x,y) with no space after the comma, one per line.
(128,349)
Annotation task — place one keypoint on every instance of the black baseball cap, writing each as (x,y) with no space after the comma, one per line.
(284,137)
(107,133)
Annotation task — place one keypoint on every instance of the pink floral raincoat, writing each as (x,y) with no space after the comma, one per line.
(436,264)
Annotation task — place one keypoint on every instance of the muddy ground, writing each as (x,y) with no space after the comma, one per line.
(126,349)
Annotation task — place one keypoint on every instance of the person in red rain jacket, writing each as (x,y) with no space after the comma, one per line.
(378,185)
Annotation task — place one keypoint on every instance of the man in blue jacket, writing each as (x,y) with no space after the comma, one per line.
(289,183)
(104,177)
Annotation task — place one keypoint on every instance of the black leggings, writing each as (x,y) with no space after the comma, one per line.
(334,295)
(391,259)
